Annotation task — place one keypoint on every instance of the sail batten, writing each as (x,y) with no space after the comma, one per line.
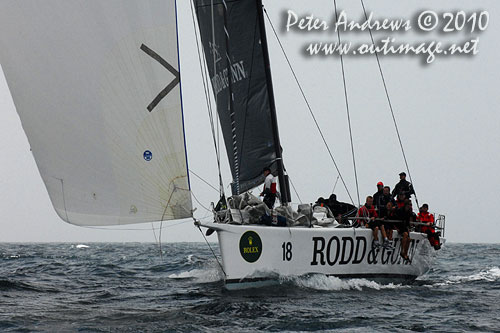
(231,38)
(103,117)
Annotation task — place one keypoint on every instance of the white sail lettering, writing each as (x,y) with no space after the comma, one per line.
(220,80)
(238,72)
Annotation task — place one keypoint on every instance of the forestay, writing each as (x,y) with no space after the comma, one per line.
(96,85)
(236,67)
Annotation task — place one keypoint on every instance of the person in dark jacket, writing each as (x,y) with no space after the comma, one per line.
(389,216)
(341,209)
(404,215)
(377,197)
(384,199)
(404,187)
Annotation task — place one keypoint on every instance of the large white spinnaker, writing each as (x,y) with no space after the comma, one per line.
(96,85)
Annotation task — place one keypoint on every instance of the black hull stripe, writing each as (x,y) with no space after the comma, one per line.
(342,276)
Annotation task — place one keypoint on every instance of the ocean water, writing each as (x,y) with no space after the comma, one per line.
(100,287)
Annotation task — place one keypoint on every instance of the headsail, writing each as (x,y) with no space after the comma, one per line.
(236,66)
(97,87)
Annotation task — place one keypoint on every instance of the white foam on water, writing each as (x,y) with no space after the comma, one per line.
(210,273)
(82,246)
(190,259)
(323,282)
(489,275)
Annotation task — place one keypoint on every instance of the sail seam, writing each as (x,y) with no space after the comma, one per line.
(231,105)
(248,92)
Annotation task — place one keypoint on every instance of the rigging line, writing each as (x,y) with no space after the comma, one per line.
(161,220)
(347,106)
(213,41)
(215,72)
(198,201)
(293,186)
(204,70)
(154,233)
(390,103)
(295,190)
(159,240)
(220,265)
(335,185)
(203,180)
(308,106)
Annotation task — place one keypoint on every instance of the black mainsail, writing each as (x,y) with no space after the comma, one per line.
(233,40)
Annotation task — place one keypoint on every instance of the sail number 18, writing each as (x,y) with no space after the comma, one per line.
(287,251)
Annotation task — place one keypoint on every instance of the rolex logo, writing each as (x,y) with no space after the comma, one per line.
(250,246)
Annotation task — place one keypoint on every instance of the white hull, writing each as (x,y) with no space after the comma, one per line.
(253,254)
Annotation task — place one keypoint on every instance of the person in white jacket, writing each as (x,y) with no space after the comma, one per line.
(269,191)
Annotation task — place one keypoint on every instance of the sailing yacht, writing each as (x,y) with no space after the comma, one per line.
(97,86)
(233,35)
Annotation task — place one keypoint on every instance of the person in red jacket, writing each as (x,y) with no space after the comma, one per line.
(400,200)
(369,214)
(425,217)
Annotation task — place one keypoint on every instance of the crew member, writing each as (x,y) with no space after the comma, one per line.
(377,197)
(389,217)
(425,217)
(400,200)
(386,198)
(404,215)
(368,213)
(340,210)
(269,191)
(403,186)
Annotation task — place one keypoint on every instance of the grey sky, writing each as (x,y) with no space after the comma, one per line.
(445,113)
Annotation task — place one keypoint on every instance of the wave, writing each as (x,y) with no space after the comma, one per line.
(82,246)
(209,273)
(10,285)
(315,282)
(323,282)
(488,275)
(7,256)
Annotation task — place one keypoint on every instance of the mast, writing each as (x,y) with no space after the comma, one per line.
(283,180)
